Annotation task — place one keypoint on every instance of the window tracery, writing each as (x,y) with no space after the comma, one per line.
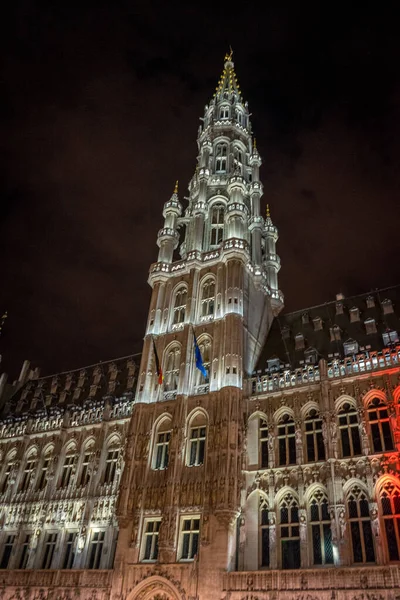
(171,371)
(180,306)
(221,157)
(321,534)
(379,422)
(314,438)
(208,298)
(217,225)
(362,542)
(390,504)
(286,441)
(264,532)
(289,532)
(349,430)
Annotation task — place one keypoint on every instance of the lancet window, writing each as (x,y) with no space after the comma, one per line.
(111,464)
(321,534)
(42,480)
(349,431)
(224,112)
(161,445)
(29,472)
(67,468)
(197,440)
(379,422)
(7,473)
(390,503)
(290,532)
(264,533)
(263,443)
(217,225)
(314,438)
(221,157)
(360,526)
(286,441)
(180,306)
(171,371)
(208,298)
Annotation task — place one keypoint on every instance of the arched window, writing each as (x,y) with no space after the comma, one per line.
(217,225)
(379,422)
(85,470)
(171,371)
(221,153)
(29,471)
(286,441)
(263,453)
(112,457)
(360,526)
(290,533)
(8,470)
(180,306)
(349,431)
(197,440)
(238,116)
(264,532)
(314,438)
(224,112)
(68,467)
(390,503)
(42,476)
(208,298)
(161,445)
(205,349)
(321,533)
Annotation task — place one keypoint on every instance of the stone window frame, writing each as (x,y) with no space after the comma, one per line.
(150,531)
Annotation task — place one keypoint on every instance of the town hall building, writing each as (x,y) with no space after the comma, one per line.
(271,473)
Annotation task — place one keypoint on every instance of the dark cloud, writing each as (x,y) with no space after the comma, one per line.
(100,108)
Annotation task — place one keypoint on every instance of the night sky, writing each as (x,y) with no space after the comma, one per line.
(100,108)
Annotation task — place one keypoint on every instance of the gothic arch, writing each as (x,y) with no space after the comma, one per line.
(352,482)
(196,412)
(217,200)
(381,482)
(114,439)
(312,489)
(374,393)
(48,449)
(156,588)
(286,489)
(308,407)
(281,412)
(396,394)
(339,402)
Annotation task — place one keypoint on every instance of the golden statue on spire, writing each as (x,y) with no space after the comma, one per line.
(228,56)
(176,186)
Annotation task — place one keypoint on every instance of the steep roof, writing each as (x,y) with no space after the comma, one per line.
(111,379)
(327,330)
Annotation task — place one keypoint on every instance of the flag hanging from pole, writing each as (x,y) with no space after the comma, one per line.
(158,365)
(198,357)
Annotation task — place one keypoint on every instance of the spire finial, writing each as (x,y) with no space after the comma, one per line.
(228,56)
(254,144)
(268,212)
(176,187)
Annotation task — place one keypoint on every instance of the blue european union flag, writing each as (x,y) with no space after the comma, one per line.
(198,358)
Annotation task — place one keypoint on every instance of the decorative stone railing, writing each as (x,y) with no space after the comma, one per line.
(49,578)
(362,363)
(328,578)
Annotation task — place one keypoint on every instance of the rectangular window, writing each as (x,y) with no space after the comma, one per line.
(111,465)
(162,447)
(69,550)
(150,539)
(8,546)
(23,559)
(67,470)
(189,538)
(96,548)
(49,548)
(197,446)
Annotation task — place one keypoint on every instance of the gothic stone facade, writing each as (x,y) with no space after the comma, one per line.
(247,483)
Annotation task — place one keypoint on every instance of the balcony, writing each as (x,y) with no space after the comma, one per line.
(327,578)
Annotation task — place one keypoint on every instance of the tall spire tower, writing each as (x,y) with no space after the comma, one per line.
(225,279)
(215,281)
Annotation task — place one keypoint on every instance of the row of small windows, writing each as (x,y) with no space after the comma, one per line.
(221,157)
(357,522)
(346,430)
(47,552)
(225,113)
(350,346)
(36,476)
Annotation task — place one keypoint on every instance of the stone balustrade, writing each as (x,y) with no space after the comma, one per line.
(56,578)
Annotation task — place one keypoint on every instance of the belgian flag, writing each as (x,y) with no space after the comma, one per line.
(158,365)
